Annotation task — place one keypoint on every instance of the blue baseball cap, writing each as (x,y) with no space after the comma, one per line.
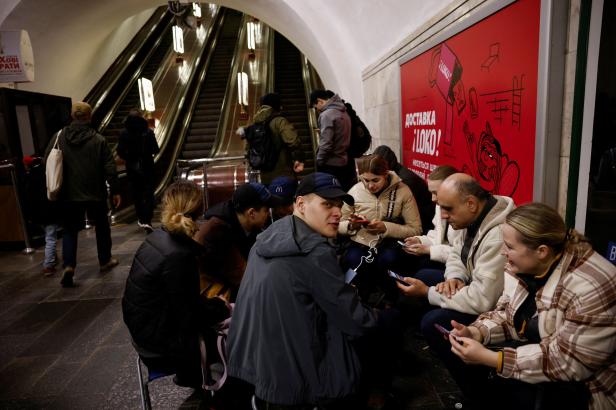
(324,185)
(254,195)
(284,187)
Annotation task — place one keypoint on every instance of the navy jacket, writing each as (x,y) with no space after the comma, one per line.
(294,318)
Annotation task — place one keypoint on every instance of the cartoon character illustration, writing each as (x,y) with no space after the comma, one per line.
(490,165)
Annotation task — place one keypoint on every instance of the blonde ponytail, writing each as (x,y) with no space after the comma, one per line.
(181,203)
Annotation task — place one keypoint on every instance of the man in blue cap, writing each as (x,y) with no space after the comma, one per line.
(294,316)
(285,188)
(229,231)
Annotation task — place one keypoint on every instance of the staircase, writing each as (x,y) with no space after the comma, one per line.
(289,84)
(203,128)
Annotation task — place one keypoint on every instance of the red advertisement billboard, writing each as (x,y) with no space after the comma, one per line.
(471,100)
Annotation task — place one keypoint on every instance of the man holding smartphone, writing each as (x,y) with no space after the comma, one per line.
(474,270)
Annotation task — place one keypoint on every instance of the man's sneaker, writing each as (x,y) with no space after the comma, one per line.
(109,265)
(146,227)
(49,271)
(67,277)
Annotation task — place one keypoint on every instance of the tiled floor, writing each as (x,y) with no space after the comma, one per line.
(69,349)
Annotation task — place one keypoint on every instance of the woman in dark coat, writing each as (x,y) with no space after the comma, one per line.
(161,305)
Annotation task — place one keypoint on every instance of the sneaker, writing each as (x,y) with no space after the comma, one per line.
(48,271)
(146,227)
(67,277)
(109,265)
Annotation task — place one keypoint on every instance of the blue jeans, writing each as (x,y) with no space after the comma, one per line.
(51,238)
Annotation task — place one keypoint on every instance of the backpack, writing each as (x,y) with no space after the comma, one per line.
(263,151)
(54,170)
(360,135)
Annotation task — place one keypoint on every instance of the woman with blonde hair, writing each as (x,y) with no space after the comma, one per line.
(384,212)
(552,337)
(161,305)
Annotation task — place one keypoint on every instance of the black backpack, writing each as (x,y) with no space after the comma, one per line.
(360,135)
(263,151)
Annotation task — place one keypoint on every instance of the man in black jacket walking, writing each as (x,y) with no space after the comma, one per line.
(88,165)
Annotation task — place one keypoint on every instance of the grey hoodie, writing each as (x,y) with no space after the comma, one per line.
(293,319)
(335,135)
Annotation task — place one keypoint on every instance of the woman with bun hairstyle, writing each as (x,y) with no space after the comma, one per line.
(552,339)
(161,305)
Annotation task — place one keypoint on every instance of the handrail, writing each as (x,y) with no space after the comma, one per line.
(211,159)
(309,82)
(11,167)
(112,110)
(222,122)
(190,107)
(271,65)
(179,102)
(151,29)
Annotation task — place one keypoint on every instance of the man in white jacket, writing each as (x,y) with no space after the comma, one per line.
(474,269)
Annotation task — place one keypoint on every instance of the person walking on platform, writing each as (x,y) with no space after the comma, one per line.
(335,136)
(137,146)
(88,166)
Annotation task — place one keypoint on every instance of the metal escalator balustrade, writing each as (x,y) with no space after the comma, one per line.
(290,85)
(203,128)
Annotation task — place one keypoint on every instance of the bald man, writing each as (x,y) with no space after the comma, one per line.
(473,278)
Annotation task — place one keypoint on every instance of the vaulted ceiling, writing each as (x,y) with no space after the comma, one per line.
(75,41)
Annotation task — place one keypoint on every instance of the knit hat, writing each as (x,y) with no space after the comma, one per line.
(273,100)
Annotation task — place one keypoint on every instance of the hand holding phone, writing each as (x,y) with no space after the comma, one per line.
(397,277)
(445,332)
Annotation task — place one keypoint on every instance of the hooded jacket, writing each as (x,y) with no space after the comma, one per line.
(416,184)
(87,163)
(286,140)
(335,134)
(226,245)
(483,272)
(405,216)
(441,239)
(293,319)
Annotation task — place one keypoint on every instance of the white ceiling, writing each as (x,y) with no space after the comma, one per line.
(75,41)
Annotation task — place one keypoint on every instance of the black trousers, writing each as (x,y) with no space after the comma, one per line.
(143,195)
(73,215)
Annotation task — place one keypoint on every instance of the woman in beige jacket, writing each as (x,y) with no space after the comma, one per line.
(384,212)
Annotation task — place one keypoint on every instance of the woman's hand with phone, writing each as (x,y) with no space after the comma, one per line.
(473,352)
(357,221)
(376,227)
(459,330)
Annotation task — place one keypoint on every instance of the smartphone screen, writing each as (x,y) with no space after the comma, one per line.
(397,277)
(442,329)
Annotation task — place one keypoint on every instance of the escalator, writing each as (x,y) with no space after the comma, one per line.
(203,128)
(131,99)
(290,85)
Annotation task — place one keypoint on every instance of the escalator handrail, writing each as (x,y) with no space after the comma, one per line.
(189,109)
(179,102)
(224,109)
(101,89)
(129,84)
(309,82)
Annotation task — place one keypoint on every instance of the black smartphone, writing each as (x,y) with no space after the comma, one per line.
(397,277)
(445,332)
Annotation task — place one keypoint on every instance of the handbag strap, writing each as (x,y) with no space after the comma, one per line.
(56,145)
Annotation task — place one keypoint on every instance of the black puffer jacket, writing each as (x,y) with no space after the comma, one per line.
(161,304)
